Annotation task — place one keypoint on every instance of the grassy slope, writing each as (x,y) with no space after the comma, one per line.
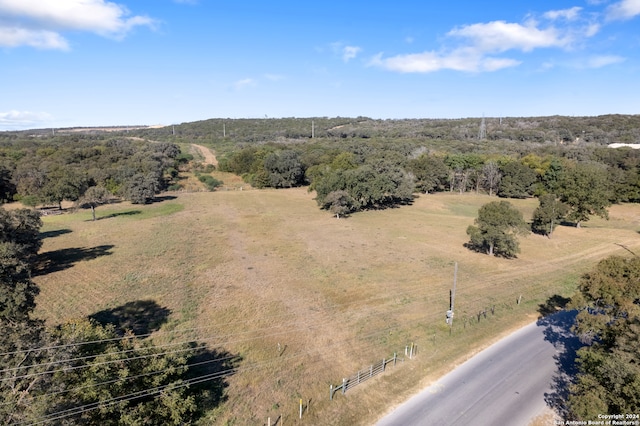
(254,269)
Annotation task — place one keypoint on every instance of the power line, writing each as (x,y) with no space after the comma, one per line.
(199,379)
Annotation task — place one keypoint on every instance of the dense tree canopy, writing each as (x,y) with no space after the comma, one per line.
(518,180)
(50,171)
(548,214)
(19,244)
(609,319)
(585,188)
(430,172)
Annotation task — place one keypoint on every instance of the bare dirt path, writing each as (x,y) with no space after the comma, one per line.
(209,157)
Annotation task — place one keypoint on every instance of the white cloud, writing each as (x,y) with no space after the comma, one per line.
(568,14)
(480,47)
(623,10)
(500,36)
(460,60)
(350,52)
(41,39)
(604,60)
(33,18)
(22,119)
(346,52)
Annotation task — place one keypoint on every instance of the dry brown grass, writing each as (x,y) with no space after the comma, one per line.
(254,269)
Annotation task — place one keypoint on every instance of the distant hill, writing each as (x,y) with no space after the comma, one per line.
(605,129)
(601,130)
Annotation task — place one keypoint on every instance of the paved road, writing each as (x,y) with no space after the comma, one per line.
(507,384)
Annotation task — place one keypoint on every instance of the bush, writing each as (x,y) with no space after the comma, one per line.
(210,182)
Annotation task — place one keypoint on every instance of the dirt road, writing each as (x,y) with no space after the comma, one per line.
(209,157)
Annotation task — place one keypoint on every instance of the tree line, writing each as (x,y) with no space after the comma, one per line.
(352,177)
(47,171)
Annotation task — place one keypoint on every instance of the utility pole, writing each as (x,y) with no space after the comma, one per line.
(452,296)
(312,130)
(482,134)
(224,130)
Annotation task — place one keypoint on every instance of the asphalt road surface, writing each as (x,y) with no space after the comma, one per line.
(507,384)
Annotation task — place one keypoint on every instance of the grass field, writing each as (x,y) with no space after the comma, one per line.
(305,299)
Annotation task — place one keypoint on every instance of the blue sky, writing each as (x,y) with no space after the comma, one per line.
(67,63)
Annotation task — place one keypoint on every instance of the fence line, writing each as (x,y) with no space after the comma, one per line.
(363,375)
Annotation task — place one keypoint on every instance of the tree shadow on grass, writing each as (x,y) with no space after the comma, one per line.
(59,260)
(162,198)
(207,374)
(127,213)
(558,332)
(142,317)
(54,233)
(552,305)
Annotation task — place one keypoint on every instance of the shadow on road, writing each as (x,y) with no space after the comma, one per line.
(557,331)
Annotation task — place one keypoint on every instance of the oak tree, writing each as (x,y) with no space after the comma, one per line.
(497,226)
(609,321)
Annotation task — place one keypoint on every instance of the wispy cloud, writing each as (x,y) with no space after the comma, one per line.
(459,60)
(346,52)
(244,83)
(21,119)
(623,10)
(40,39)
(500,36)
(274,77)
(604,60)
(568,14)
(39,23)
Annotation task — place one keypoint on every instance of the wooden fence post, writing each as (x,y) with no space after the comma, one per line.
(383,364)
(394,358)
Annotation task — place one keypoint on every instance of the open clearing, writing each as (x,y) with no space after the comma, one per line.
(306,299)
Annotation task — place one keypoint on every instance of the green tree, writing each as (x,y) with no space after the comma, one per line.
(145,381)
(19,244)
(548,214)
(518,181)
(371,186)
(431,173)
(498,225)
(141,188)
(64,182)
(93,197)
(339,203)
(284,168)
(609,318)
(585,189)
